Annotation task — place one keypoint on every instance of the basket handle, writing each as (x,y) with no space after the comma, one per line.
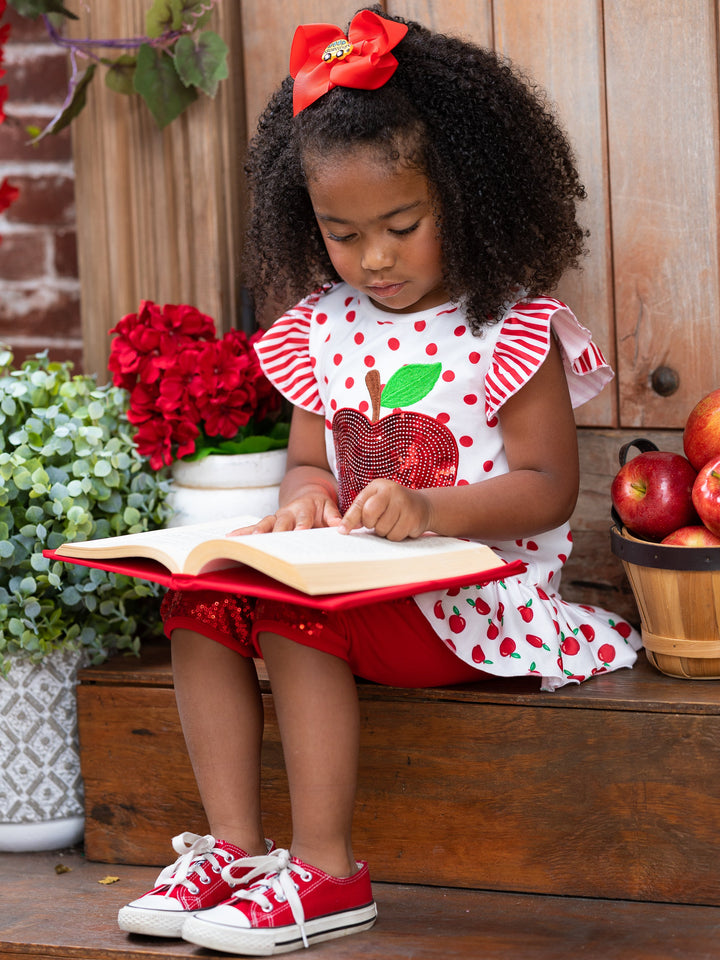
(644,446)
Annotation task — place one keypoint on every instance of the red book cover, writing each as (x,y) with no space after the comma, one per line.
(246,580)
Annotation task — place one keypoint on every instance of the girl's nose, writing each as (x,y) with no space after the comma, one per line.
(377,255)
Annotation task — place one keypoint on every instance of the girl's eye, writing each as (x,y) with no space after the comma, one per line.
(406,230)
(338,239)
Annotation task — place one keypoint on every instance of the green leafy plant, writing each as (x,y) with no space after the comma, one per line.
(69,471)
(168,67)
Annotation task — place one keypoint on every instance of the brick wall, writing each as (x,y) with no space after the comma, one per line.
(39,289)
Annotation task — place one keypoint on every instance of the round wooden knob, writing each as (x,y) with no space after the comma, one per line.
(665,381)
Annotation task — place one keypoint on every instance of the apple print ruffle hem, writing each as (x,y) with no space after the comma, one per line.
(516,627)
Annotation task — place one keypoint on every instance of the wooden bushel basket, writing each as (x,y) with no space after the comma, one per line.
(677,590)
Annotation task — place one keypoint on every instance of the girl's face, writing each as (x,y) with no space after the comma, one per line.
(378,223)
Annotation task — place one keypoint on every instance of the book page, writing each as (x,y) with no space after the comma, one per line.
(171,542)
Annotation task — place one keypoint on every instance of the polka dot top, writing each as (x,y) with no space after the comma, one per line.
(415,397)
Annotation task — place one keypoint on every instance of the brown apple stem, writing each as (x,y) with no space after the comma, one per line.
(372,382)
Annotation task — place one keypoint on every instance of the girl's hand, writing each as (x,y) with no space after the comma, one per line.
(391,510)
(311,509)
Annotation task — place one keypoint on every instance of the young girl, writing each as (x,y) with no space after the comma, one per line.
(426,195)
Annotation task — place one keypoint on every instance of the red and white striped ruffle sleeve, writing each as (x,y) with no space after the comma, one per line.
(284,355)
(524,342)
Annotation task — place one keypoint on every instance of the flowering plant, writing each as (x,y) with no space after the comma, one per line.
(192,394)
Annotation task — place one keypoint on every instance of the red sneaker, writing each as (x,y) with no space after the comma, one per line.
(293,905)
(194,882)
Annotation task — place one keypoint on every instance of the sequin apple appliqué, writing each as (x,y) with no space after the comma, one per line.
(410,448)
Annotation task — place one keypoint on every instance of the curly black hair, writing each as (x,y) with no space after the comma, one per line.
(498,164)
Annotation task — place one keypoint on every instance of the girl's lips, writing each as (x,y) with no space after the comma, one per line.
(383,290)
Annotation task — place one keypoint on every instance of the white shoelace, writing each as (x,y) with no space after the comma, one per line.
(275,870)
(196,853)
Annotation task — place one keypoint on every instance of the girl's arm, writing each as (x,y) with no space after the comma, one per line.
(308,493)
(537,494)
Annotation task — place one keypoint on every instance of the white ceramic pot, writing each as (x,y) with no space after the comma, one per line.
(222,486)
(41,791)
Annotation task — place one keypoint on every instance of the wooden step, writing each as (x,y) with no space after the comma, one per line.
(608,789)
(72,916)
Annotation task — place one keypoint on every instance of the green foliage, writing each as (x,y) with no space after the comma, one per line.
(158,83)
(34,8)
(69,471)
(168,67)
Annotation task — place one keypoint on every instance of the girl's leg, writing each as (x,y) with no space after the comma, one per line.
(317,709)
(220,708)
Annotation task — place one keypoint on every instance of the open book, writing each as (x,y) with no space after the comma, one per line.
(313,563)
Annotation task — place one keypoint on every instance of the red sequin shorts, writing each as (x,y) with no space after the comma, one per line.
(390,643)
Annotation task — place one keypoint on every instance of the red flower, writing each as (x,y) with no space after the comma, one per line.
(185,383)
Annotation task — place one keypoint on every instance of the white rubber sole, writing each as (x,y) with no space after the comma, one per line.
(268,941)
(153,923)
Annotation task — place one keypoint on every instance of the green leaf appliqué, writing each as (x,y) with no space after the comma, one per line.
(410,384)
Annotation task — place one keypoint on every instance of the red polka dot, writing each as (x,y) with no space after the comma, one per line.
(337,359)
(321,318)
(349,382)
(531,545)
(442,417)
(459,331)
(487,466)
(448,376)
(333,404)
(327,338)
(474,357)
(394,343)
(562,558)
(350,316)
(431,349)
(470,399)
(570,536)
(420,325)
(348,301)
(466,441)
(463,483)
(358,338)
(492,422)
(397,409)
(328,425)
(369,361)
(363,406)
(313,361)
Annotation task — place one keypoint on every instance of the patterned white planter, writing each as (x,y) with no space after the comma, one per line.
(41,791)
(222,486)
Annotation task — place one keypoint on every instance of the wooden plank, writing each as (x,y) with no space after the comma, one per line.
(662,96)
(533,794)
(471,19)
(559,43)
(159,213)
(75,919)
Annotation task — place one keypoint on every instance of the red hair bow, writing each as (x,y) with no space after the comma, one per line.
(322,57)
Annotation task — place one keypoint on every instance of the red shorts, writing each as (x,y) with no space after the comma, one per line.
(389,643)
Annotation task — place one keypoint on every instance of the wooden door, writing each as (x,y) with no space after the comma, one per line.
(635,84)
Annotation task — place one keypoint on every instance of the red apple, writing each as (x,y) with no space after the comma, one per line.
(706,495)
(652,494)
(695,536)
(701,437)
